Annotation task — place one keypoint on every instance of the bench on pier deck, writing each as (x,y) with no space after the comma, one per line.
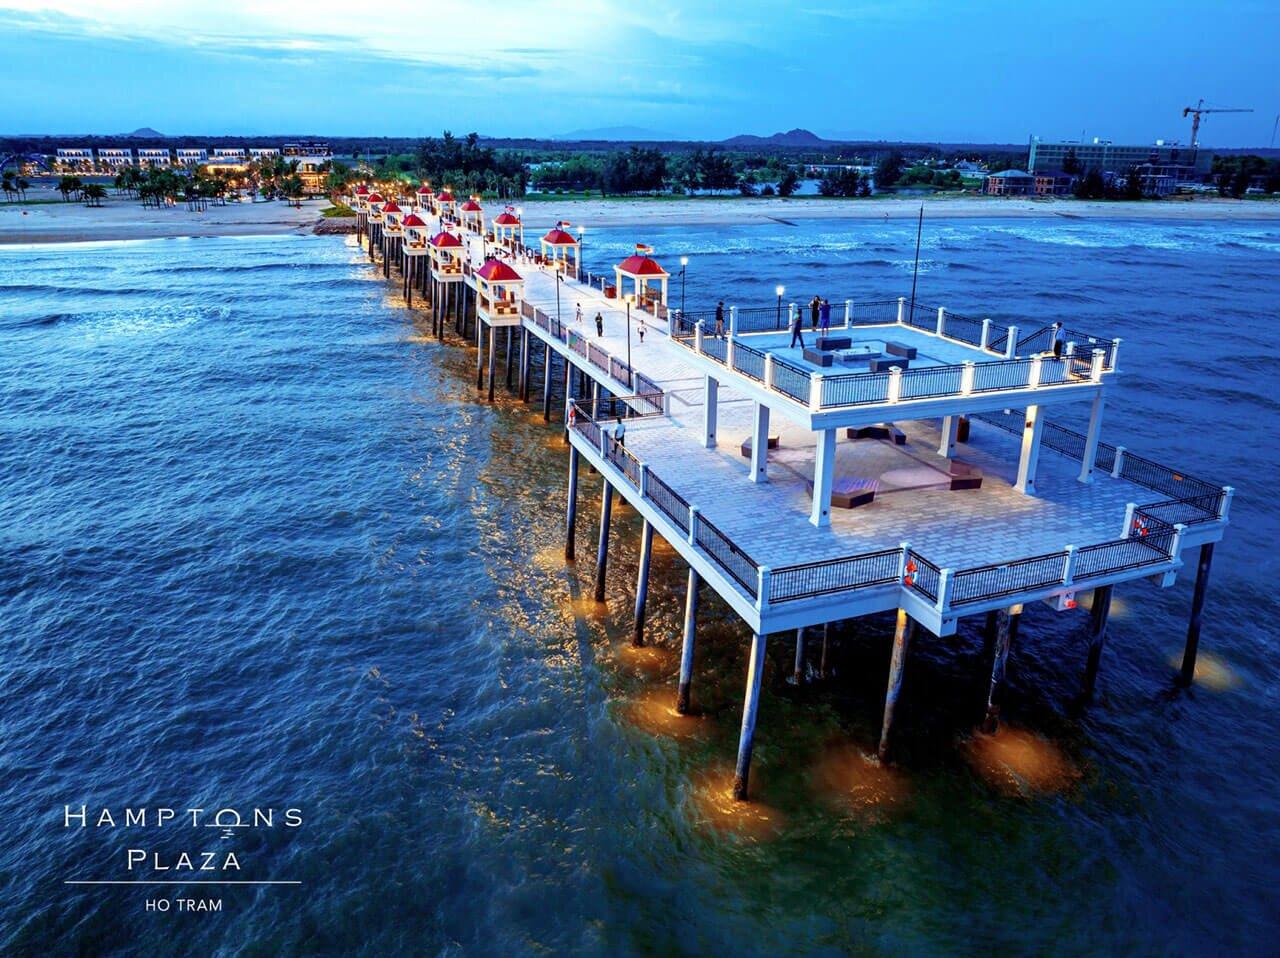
(834,342)
(746,446)
(849,492)
(898,349)
(818,357)
(964,476)
(882,364)
(884,430)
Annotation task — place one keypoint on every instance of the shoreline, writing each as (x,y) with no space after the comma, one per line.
(121,219)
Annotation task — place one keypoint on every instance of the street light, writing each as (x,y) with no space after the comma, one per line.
(780,289)
(582,241)
(684,264)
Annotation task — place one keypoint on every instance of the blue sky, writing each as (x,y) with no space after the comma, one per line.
(892,70)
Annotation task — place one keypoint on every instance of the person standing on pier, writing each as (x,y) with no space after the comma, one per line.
(599,324)
(577,318)
(719,334)
(641,330)
(1058,338)
(815,307)
(824,315)
(796,335)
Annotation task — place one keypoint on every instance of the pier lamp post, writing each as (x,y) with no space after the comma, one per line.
(780,289)
(557,298)
(684,265)
(629,373)
(582,241)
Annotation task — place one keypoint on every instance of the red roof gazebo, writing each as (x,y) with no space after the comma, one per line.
(558,245)
(507,228)
(643,272)
(472,214)
(499,287)
(446,256)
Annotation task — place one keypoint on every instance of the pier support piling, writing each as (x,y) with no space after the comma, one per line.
(1029,458)
(602,549)
(797,673)
(824,464)
(479,358)
(1098,613)
(1192,648)
(493,349)
(642,581)
(950,432)
(546,383)
(750,706)
(571,507)
(826,640)
(687,648)
(1006,631)
(901,642)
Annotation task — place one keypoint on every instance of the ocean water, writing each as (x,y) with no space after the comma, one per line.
(261,545)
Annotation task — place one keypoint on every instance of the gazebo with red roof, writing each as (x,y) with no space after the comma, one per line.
(445,203)
(498,289)
(425,198)
(507,229)
(392,215)
(447,254)
(415,235)
(472,214)
(559,245)
(643,272)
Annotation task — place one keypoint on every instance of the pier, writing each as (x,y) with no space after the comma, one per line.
(815,463)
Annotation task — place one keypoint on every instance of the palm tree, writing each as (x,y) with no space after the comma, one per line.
(8,186)
(94,194)
(68,185)
(23,185)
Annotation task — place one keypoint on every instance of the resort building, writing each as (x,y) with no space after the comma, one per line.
(190,157)
(263,152)
(308,148)
(74,159)
(157,159)
(228,154)
(1011,183)
(1182,162)
(114,158)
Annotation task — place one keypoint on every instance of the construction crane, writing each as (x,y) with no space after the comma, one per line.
(1199,110)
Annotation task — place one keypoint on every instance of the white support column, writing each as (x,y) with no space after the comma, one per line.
(824,465)
(950,427)
(1030,456)
(902,310)
(941,329)
(986,334)
(1011,347)
(1118,464)
(966,379)
(760,444)
(895,384)
(1096,365)
(733,321)
(815,391)
(1224,510)
(1091,439)
(848,313)
(768,370)
(697,337)
(710,401)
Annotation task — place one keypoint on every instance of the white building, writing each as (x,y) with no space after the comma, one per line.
(191,157)
(114,158)
(156,159)
(74,158)
(228,154)
(263,152)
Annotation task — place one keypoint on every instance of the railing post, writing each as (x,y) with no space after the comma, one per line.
(1033,380)
(762,587)
(697,337)
(902,559)
(604,442)
(693,525)
(644,478)
(815,391)
(1095,369)
(1118,464)
(728,351)
(1011,347)
(1225,507)
(768,370)
(942,321)
(733,321)
(848,313)
(944,589)
(986,334)
(1128,520)
(1115,351)
(895,383)
(902,309)
(1069,566)
(1070,349)
(966,379)
(1175,547)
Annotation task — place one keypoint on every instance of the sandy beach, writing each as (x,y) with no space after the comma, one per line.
(120,218)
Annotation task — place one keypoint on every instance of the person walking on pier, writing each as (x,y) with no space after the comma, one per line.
(641,330)
(824,317)
(796,335)
(577,318)
(720,320)
(599,324)
(620,432)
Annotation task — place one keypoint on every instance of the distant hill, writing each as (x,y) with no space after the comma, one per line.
(796,137)
(143,133)
(623,133)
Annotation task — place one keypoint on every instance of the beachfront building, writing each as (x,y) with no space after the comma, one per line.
(155,159)
(263,153)
(561,250)
(472,215)
(1050,183)
(190,156)
(111,159)
(303,148)
(508,231)
(74,160)
(1011,183)
(228,154)
(646,279)
(1182,163)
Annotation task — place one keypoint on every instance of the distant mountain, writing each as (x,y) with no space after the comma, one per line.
(624,133)
(796,137)
(144,133)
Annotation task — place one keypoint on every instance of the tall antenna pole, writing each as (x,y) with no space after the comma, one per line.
(1273,130)
(915,272)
